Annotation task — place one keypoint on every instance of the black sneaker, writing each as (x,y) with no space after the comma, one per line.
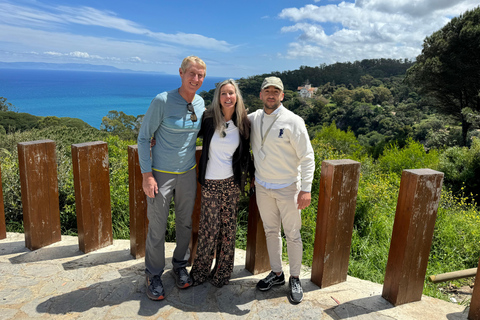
(155,288)
(182,279)
(271,280)
(296,291)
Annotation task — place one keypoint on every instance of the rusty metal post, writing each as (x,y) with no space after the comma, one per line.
(256,260)
(337,201)
(412,235)
(196,213)
(37,163)
(474,313)
(138,205)
(3,226)
(92,195)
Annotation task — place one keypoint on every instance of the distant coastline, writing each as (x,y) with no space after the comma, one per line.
(85,94)
(69,67)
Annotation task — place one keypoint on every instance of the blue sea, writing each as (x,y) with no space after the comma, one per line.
(85,95)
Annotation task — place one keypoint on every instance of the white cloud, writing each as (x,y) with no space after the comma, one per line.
(93,49)
(54,18)
(79,54)
(53,53)
(135,59)
(418,8)
(367,28)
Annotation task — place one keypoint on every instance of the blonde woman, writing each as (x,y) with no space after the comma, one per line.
(223,166)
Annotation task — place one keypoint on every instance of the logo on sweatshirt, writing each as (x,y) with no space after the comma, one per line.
(280,134)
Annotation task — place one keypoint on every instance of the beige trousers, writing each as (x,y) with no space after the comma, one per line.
(278,207)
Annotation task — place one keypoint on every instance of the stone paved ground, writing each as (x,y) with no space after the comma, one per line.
(60,282)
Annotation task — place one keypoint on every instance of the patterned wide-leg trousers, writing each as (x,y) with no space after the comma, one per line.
(216,234)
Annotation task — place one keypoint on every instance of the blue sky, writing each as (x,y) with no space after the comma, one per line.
(235,38)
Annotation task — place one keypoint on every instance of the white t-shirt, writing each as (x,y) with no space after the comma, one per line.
(220,154)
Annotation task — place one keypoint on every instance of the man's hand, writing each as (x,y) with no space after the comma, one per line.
(149,185)
(303,200)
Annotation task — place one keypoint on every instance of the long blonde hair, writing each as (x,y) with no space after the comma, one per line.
(240,115)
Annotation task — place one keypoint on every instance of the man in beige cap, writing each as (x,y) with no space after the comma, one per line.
(284,167)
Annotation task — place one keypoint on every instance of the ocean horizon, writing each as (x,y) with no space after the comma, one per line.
(86,95)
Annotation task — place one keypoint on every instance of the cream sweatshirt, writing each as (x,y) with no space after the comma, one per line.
(288,152)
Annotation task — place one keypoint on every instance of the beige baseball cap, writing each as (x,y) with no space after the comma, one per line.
(272,81)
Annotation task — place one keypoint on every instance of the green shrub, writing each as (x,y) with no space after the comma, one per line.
(119,191)
(461,166)
(373,224)
(456,240)
(340,141)
(412,156)
(374,142)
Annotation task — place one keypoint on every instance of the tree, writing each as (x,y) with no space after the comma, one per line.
(5,106)
(121,124)
(342,97)
(15,121)
(382,95)
(366,80)
(448,69)
(363,95)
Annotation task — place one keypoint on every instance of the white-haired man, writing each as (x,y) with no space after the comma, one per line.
(168,170)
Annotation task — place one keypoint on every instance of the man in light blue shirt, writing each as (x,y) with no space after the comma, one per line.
(168,168)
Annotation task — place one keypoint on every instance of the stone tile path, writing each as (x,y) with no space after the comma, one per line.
(60,282)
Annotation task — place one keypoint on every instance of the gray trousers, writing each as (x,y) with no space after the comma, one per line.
(183,189)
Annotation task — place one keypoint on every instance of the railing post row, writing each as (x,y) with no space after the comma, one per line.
(411,240)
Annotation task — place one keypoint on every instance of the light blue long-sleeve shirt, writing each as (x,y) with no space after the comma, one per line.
(168,121)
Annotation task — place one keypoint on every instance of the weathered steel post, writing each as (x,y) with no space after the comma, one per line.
(37,162)
(412,235)
(257,260)
(3,227)
(474,313)
(137,205)
(92,195)
(337,201)
(196,213)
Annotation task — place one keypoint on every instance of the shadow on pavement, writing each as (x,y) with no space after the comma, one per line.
(459,315)
(13,248)
(359,307)
(235,298)
(97,258)
(47,254)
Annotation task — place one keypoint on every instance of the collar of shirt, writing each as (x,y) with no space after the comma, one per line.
(275,111)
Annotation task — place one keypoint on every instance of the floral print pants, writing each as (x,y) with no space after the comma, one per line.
(216,234)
